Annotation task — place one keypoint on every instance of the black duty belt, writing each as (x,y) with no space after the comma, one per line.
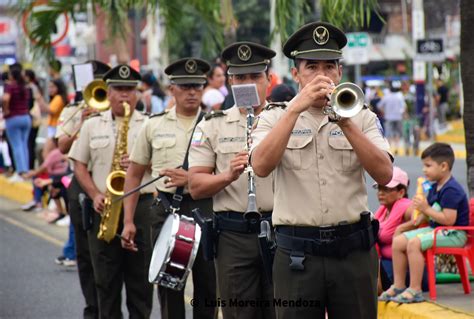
(332,241)
(235,221)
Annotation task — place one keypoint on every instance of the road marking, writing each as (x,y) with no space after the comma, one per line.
(33,231)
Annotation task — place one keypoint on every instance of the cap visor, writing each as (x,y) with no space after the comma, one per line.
(246,69)
(320,55)
(122,83)
(189,81)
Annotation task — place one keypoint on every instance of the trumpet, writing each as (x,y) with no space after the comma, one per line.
(346,100)
(95,96)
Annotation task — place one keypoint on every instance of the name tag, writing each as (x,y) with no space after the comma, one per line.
(237,139)
(164,135)
(99,137)
(336,133)
(302,132)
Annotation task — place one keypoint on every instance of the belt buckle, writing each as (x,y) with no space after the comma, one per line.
(326,234)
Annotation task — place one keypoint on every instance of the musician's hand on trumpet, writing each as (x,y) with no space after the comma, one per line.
(313,94)
(237,165)
(128,236)
(87,112)
(175,177)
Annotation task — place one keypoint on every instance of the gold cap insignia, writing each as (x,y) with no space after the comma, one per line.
(244,52)
(321,35)
(190,66)
(124,72)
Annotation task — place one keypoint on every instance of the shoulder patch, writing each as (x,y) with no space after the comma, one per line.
(214,114)
(158,114)
(272,105)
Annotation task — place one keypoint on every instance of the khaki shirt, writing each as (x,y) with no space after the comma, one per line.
(96,145)
(163,141)
(319,181)
(215,142)
(68,121)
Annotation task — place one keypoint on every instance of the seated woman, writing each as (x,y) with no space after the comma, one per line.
(393,212)
(56,165)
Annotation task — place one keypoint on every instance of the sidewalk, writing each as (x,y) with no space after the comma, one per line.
(453,135)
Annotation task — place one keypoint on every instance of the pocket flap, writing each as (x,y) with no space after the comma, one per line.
(230,148)
(299,142)
(160,143)
(99,143)
(340,143)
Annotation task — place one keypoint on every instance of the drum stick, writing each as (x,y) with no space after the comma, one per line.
(128,241)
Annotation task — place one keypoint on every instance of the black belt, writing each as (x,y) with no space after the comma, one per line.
(333,241)
(235,221)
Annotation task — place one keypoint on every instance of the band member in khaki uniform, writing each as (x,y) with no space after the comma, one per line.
(70,122)
(114,266)
(325,256)
(163,142)
(217,160)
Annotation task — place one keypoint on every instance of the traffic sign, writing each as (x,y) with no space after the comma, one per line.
(357,48)
(430,50)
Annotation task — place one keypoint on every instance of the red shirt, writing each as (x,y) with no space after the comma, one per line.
(19,98)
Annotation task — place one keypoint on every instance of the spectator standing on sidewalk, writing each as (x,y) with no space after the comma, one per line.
(442,95)
(393,106)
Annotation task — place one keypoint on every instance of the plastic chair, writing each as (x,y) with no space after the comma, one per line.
(460,253)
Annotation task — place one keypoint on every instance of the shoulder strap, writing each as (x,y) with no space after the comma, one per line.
(178,196)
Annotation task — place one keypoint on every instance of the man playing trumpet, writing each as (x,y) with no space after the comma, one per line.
(325,237)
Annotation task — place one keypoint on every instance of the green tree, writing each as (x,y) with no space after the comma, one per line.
(215,25)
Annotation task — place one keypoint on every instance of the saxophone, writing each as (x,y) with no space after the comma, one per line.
(115,183)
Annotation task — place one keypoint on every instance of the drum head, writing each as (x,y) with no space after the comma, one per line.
(163,246)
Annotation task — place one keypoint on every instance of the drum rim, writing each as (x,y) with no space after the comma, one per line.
(171,242)
(194,251)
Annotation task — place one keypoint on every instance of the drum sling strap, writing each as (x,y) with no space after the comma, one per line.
(175,205)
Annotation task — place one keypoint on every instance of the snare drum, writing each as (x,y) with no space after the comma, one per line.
(174,252)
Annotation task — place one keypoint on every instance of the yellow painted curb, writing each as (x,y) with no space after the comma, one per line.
(459,139)
(423,310)
(21,192)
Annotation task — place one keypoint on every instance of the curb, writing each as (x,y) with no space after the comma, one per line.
(20,192)
(422,310)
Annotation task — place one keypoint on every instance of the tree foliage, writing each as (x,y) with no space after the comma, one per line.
(209,20)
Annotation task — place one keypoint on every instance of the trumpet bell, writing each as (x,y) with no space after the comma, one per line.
(95,95)
(347,99)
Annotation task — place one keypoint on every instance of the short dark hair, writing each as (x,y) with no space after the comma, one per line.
(440,152)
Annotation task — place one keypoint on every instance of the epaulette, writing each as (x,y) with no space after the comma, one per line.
(366,106)
(158,114)
(213,114)
(272,105)
(95,114)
